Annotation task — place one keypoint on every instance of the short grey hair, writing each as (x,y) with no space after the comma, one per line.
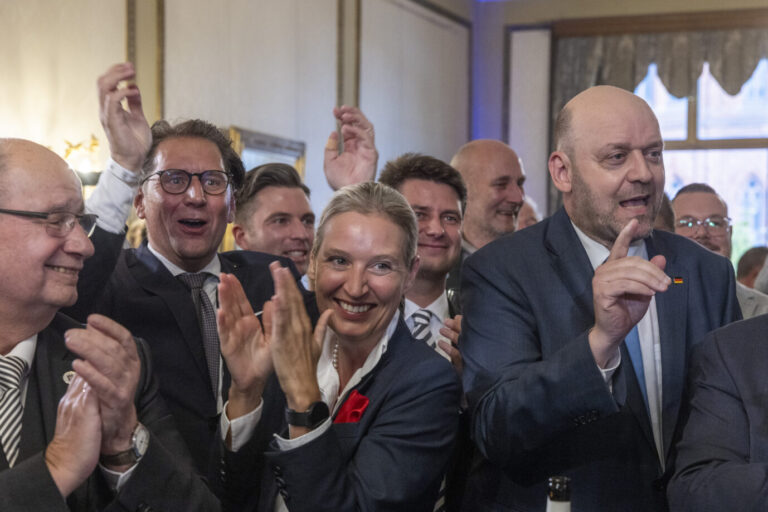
(371,198)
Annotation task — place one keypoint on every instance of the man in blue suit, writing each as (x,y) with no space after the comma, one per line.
(576,330)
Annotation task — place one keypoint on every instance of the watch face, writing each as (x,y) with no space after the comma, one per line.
(140,440)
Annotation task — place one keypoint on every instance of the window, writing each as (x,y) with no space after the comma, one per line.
(720,140)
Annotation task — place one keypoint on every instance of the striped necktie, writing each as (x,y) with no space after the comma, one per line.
(421,330)
(11,370)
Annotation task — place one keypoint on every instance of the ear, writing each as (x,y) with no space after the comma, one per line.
(411,277)
(239,233)
(560,171)
(138,204)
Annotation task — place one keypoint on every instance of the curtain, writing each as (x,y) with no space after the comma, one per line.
(623,60)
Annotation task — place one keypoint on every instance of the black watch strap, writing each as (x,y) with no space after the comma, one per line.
(317,413)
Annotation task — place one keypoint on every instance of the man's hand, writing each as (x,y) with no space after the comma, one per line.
(451,330)
(244,347)
(127,130)
(73,452)
(622,289)
(357,163)
(110,365)
(295,348)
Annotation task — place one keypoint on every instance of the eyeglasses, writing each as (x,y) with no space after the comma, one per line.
(717,225)
(176,181)
(60,224)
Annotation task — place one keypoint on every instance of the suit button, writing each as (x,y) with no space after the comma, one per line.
(277,470)
(284,494)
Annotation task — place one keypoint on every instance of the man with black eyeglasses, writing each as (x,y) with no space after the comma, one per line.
(702,215)
(73,396)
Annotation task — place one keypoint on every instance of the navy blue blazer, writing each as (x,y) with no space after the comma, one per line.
(393,458)
(722,458)
(165,479)
(540,406)
(135,289)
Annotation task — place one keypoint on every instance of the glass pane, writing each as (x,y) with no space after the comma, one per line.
(740,176)
(672,112)
(733,117)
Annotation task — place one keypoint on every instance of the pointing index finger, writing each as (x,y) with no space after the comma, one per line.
(620,247)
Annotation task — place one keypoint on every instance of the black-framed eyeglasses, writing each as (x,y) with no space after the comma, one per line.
(59,224)
(715,224)
(176,181)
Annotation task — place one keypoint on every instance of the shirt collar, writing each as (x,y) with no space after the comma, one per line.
(438,308)
(467,246)
(213,267)
(598,253)
(25,350)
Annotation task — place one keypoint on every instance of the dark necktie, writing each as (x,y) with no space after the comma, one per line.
(206,317)
(11,370)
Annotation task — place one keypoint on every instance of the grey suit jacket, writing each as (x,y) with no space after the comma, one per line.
(752,302)
(539,403)
(722,459)
(164,480)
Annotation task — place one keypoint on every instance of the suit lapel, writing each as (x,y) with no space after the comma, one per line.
(571,262)
(158,281)
(671,307)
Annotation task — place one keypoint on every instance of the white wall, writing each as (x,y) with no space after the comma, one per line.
(51,54)
(266,65)
(528,121)
(414,79)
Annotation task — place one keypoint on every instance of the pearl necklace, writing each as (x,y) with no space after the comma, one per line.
(335,356)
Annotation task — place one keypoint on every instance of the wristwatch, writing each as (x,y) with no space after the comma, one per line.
(311,418)
(139,445)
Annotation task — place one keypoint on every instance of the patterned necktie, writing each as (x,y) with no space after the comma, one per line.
(421,330)
(206,317)
(11,370)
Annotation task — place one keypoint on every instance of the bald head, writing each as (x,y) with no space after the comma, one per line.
(28,158)
(494,177)
(608,162)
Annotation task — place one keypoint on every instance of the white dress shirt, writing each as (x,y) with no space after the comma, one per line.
(648,332)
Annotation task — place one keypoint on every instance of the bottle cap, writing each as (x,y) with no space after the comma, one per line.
(559,488)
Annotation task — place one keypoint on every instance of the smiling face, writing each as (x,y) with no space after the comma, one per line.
(281,223)
(614,170)
(494,177)
(38,272)
(438,211)
(700,206)
(186,228)
(360,273)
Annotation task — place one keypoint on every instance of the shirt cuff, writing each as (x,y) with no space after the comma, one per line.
(115,479)
(289,444)
(612,366)
(242,427)
(113,196)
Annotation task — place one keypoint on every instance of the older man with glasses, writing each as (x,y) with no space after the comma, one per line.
(73,396)
(702,215)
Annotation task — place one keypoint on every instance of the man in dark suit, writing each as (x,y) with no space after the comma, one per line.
(576,330)
(73,395)
(722,455)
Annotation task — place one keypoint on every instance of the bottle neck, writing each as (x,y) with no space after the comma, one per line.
(558,506)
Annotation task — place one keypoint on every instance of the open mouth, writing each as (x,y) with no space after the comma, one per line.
(634,202)
(192,223)
(354,308)
(296,254)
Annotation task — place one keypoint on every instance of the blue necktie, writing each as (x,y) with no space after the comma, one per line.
(633,347)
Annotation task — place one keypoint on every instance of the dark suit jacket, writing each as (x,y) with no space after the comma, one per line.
(164,480)
(142,295)
(540,405)
(722,458)
(393,459)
